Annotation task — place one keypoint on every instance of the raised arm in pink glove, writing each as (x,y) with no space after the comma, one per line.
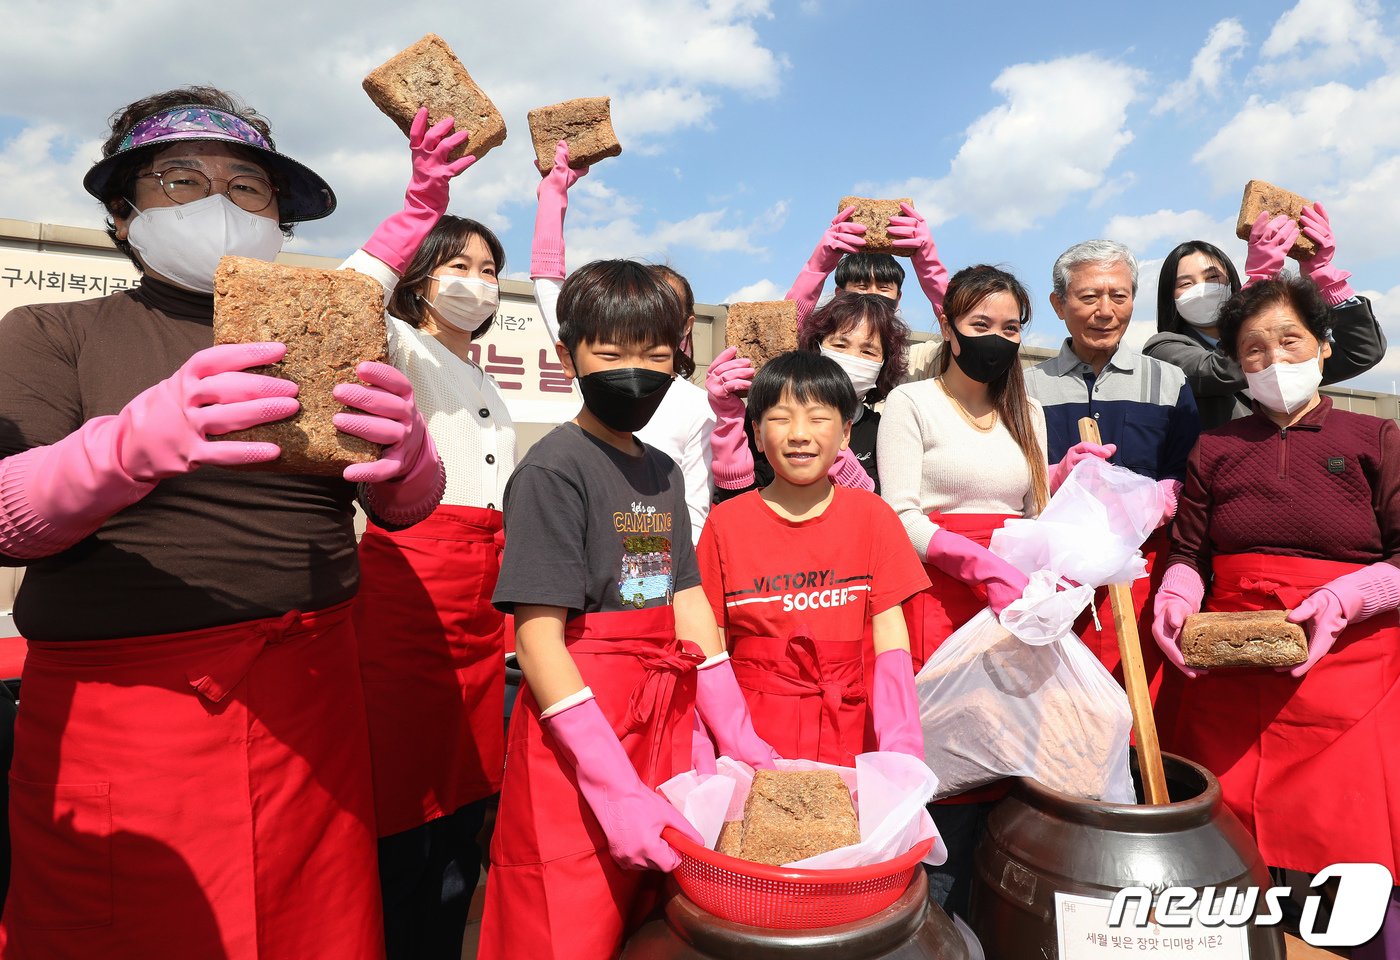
(1178,597)
(840,238)
(406,483)
(398,238)
(552,196)
(1348,599)
(846,471)
(1084,450)
(721,705)
(913,233)
(1269,242)
(1330,280)
(894,705)
(973,564)
(631,814)
(728,379)
(51,497)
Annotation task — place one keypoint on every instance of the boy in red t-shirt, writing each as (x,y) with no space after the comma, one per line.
(806,579)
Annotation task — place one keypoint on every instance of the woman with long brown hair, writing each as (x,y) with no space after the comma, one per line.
(960,454)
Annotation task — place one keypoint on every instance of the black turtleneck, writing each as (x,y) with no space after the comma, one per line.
(210,548)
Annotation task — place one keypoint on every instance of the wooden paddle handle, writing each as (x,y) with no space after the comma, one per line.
(1120,597)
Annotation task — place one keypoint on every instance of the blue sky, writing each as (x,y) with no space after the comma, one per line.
(1018,128)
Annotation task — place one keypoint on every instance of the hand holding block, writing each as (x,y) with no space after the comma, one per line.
(1261,195)
(1253,638)
(331,321)
(875,215)
(585,124)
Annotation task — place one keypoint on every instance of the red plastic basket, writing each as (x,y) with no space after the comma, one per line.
(784,898)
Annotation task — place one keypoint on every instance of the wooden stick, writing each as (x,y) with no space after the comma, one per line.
(1120,597)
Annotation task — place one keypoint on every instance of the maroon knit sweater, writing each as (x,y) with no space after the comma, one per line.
(1326,488)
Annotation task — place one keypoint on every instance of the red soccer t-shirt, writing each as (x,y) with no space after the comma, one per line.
(795,599)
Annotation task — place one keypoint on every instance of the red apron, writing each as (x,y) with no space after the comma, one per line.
(432,657)
(553,890)
(935,613)
(200,794)
(807,697)
(1102,640)
(1310,766)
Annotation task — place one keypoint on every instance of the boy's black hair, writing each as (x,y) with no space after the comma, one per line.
(621,302)
(809,378)
(870,267)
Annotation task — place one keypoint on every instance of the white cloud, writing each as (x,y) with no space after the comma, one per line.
(1223,45)
(668,64)
(759,290)
(1155,234)
(1319,36)
(1055,138)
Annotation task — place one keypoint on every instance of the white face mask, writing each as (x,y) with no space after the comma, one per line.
(863,372)
(1285,387)
(183,244)
(465,303)
(1200,305)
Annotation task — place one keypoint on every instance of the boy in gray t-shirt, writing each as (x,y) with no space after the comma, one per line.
(614,635)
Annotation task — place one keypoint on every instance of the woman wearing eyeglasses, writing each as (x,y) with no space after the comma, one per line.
(191,774)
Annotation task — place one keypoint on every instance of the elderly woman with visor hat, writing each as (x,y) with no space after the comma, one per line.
(191,772)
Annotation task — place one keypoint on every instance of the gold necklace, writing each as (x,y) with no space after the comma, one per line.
(971,420)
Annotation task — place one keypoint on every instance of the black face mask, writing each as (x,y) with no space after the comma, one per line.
(985,358)
(624,398)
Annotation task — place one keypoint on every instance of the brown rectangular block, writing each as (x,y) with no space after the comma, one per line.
(1252,638)
(330,320)
(761,329)
(1261,195)
(794,814)
(586,123)
(875,214)
(731,838)
(428,74)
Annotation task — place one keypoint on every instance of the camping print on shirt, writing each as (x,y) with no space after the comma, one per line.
(646,555)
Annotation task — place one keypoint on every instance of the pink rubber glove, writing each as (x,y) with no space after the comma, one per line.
(398,238)
(1330,280)
(721,705)
(1348,599)
(1178,597)
(840,238)
(53,496)
(1075,455)
(702,750)
(552,196)
(406,483)
(631,814)
(1171,493)
(970,562)
(1269,243)
(846,471)
(729,378)
(914,234)
(894,706)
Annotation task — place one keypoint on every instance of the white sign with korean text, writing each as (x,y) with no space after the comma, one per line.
(518,352)
(1084,934)
(29,276)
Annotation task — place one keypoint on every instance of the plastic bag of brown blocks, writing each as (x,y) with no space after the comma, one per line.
(330,320)
(428,74)
(795,814)
(1251,638)
(1260,195)
(875,214)
(761,329)
(586,123)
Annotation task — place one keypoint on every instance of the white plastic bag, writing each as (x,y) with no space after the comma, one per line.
(889,789)
(993,707)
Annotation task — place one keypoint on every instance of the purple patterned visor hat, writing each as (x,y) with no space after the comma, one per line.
(302,194)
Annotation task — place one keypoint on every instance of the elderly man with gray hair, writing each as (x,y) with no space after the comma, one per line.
(1143,406)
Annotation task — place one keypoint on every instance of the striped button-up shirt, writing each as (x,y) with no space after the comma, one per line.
(1141,404)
